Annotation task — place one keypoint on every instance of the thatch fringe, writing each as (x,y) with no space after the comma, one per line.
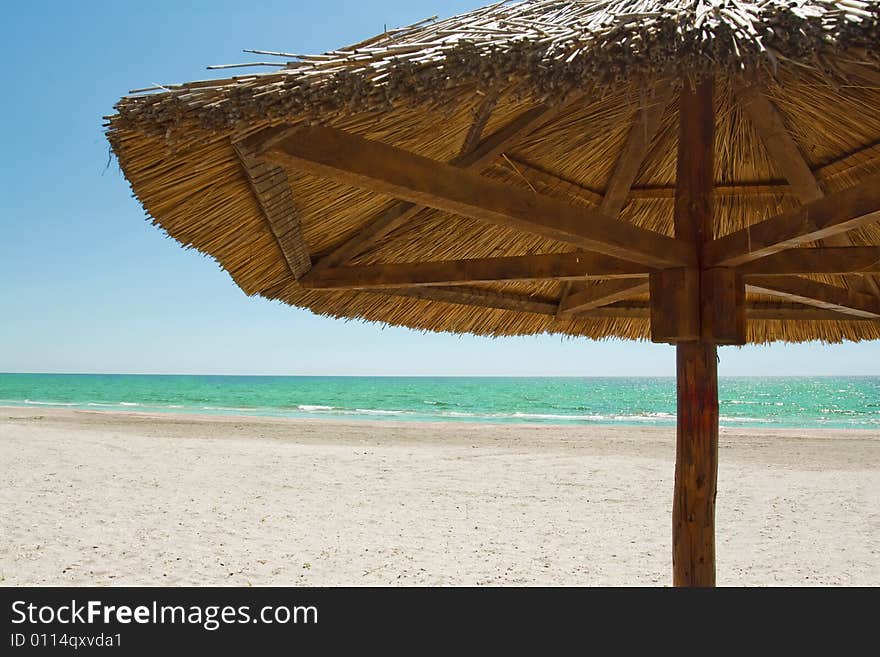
(542,48)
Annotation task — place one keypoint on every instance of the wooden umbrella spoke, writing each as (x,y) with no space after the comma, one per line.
(481,118)
(385,169)
(480,297)
(821,295)
(272,190)
(821,260)
(835,213)
(635,149)
(476,159)
(756,310)
(553,266)
(786,153)
(601,294)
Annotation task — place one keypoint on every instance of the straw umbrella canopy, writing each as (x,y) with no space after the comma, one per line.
(698,173)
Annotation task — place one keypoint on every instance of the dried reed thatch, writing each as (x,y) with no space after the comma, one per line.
(438,87)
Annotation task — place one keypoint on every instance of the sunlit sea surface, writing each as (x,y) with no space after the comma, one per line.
(803,402)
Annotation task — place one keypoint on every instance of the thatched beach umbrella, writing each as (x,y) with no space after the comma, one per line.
(699,173)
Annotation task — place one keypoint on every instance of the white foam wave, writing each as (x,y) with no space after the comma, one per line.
(314,407)
(553,416)
(225,408)
(42,403)
(764,420)
(376,411)
(644,417)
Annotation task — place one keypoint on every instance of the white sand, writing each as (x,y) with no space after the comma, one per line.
(102,498)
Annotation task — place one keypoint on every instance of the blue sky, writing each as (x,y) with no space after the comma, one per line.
(88,285)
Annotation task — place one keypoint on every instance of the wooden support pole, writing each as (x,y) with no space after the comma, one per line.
(696,459)
(696,465)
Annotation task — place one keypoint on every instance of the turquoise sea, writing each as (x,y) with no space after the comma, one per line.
(803,402)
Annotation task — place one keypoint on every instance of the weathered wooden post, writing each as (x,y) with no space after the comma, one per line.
(696,308)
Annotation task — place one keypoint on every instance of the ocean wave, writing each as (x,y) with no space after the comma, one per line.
(379,411)
(129,404)
(314,407)
(42,403)
(551,416)
(643,417)
(227,408)
(764,420)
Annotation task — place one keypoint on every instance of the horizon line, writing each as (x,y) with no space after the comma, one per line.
(438,376)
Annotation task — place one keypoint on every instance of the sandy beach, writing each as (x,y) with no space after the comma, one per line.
(115,499)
